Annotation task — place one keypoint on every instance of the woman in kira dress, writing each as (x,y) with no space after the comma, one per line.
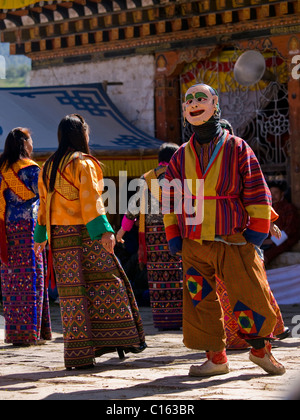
(25,299)
(98,308)
(164,271)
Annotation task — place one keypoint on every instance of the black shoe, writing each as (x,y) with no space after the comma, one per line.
(286,333)
(121,354)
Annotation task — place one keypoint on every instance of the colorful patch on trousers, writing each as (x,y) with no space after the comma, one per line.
(198,287)
(249,321)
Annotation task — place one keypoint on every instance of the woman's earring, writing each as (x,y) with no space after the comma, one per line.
(184,122)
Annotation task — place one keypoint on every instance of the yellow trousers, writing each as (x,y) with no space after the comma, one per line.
(243,273)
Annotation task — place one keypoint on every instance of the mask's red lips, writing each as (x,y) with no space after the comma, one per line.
(196,113)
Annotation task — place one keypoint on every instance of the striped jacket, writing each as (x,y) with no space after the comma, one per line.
(235,194)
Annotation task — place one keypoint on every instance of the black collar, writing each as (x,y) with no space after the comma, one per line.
(207,132)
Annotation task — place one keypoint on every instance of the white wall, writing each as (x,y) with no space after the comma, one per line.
(134,98)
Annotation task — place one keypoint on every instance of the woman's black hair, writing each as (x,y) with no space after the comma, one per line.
(14,148)
(166,151)
(72,137)
(281,185)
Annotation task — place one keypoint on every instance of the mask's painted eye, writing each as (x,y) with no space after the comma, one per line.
(201,97)
(189,98)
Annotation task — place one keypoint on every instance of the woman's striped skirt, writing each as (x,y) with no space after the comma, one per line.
(98,308)
(165,280)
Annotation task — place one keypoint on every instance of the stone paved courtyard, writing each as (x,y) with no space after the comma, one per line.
(159,373)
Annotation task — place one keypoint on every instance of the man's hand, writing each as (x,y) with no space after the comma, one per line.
(175,245)
(120,235)
(275,231)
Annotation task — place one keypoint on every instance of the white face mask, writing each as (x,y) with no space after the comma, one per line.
(200,104)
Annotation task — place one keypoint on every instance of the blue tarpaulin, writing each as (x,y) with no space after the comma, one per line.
(41,109)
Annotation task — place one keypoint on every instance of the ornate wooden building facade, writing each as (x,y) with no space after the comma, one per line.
(190,41)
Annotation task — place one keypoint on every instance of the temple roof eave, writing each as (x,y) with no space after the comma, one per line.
(76,27)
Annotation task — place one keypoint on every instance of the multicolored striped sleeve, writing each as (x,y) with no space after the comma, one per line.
(274,215)
(171,226)
(259,224)
(256,195)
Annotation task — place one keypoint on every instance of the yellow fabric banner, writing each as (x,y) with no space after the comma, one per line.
(17,4)
(217,71)
(134,166)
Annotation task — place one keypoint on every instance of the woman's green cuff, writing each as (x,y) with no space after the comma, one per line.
(40,234)
(98,226)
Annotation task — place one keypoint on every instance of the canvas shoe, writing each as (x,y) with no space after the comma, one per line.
(265,359)
(209,368)
(215,365)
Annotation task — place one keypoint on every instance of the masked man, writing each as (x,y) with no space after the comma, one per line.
(231,215)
